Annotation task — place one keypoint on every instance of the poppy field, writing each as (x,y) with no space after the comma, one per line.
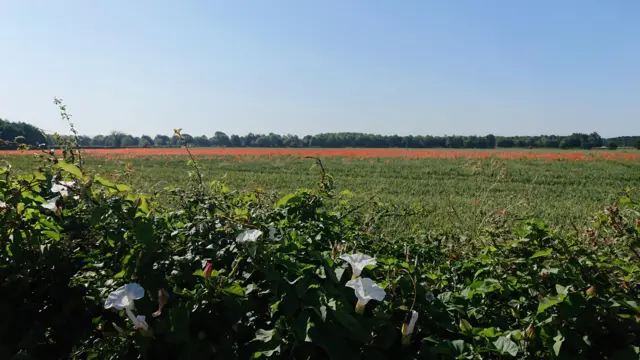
(444,189)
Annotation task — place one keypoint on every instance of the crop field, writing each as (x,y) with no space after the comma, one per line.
(448,190)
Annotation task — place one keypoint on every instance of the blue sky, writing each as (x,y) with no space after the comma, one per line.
(407,67)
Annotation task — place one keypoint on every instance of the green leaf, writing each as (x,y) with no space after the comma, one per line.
(549,301)
(465,327)
(458,346)
(198,272)
(267,353)
(123,188)
(264,335)
(541,253)
(69,168)
(119,275)
(559,339)
(506,346)
(104,182)
(235,289)
(288,199)
(354,327)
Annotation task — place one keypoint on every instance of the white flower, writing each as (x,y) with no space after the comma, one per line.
(272,233)
(123,297)
(365,290)
(51,204)
(358,262)
(62,187)
(407,329)
(3,205)
(248,236)
(139,322)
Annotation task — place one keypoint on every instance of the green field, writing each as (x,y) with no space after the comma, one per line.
(448,194)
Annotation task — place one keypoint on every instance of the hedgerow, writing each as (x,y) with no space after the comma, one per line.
(89,269)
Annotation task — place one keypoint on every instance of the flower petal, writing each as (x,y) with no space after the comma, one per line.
(249,236)
(51,204)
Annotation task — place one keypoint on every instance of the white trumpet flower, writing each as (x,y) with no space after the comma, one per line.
(123,298)
(358,262)
(62,187)
(249,236)
(365,290)
(407,329)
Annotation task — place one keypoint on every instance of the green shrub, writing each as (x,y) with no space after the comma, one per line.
(238,275)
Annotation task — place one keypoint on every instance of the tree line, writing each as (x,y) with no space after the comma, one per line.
(31,135)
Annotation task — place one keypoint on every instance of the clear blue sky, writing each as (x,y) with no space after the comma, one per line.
(408,67)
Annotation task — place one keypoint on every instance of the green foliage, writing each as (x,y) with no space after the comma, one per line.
(612,145)
(8,131)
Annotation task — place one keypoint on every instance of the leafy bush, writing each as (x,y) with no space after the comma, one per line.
(91,270)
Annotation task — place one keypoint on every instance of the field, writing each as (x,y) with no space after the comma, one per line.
(450,190)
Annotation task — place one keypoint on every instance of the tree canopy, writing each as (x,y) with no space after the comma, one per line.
(33,136)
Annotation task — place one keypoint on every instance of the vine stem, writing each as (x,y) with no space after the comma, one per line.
(415,289)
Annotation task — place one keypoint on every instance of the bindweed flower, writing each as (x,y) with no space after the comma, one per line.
(208,268)
(139,322)
(408,327)
(358,262)
(249,236)
(62,187)
(51,204)
(123,298)
(365,290)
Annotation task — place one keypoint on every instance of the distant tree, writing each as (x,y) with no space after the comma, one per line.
(220,139)
(161,140)
(145,141)
(612,145)
(115,139)
(97,140)
(505,142)
(235,141)
(202,141)
(189,140)
(636,144)
(491,141)
(128,141)
(31,135)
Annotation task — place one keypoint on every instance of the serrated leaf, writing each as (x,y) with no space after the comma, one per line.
(541,253)
(506,346)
